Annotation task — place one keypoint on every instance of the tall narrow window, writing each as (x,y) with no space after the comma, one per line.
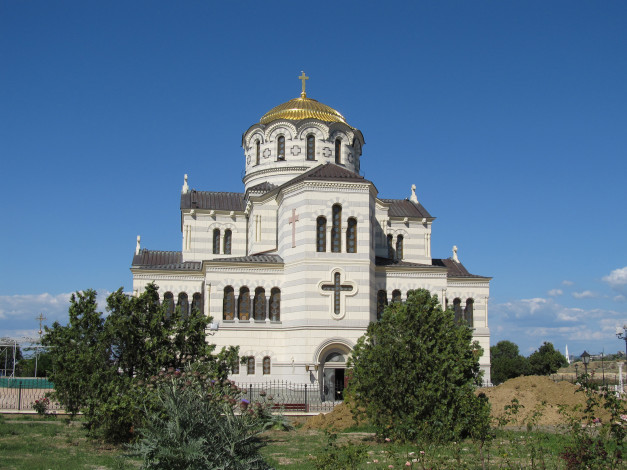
(351,236)
(227,241)
(338,151)
(250,365)
(311,147)
(396,296)
(183,304)
(321,234)
(259,308)
(457,308)
(235,369)
(168,300)
(243,304)
(468,312)
(266,365)
(382,301)
(197,302)
(336,230)
(399,247)
(390,247)
(228,304)
(257,153)
(216,241)
(280,148)
(275,304)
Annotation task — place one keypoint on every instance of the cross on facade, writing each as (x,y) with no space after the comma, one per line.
(337,288)
(303,77)
(293,221)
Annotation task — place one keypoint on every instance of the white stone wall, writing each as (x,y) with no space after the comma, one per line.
(198,238)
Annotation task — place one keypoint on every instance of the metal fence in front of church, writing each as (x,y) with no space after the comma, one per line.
(20,394)
(287,396)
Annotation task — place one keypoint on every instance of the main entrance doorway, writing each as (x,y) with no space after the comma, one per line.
(333,377)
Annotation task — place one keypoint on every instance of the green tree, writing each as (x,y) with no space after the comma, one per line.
(546,360)
(506,362)
(42,361)
(98,361)
(414,372)
(80,358)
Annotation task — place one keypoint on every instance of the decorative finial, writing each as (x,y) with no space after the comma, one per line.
(137,246)
(303,77)
(455,258)
(413,197)
(41,318)
(185,187)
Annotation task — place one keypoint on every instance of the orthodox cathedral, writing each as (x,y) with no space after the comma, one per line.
(295,267)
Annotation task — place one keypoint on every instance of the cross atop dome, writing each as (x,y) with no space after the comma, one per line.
(303,77)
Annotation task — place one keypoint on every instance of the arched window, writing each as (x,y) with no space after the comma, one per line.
(259,308)
(216,241)
(168,300)
(257,152)
(457,308)
(243,304)
(399,247)
(183,304)
(280,148)
(235,369)
(351,236)
(250,365)
(336,230)
(227,241)
(197,302)
(311,147)
(321,234)
(390,247)
(275,304)
(228,304)
(266,365)
(382,301)
(468,312)
(396,296)
(338,151)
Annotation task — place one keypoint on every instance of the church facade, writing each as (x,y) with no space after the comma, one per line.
(295,267)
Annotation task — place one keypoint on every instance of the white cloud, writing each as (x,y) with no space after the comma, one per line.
(620,298)
(617,280)
(555,292)
(18,312)
(567,283)
(586,294)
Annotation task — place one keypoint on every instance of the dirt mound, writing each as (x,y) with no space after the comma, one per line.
(339,419)
(531,392)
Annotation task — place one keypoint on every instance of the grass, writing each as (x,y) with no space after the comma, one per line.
(33,442)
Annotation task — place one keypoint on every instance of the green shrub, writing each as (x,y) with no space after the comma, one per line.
(196,426)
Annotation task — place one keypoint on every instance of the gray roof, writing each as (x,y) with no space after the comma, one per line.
(171,260)
(406,208)
(261,258)
(454,268)
(327,172)
(213,200)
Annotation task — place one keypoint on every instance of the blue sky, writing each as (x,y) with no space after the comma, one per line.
(510,117)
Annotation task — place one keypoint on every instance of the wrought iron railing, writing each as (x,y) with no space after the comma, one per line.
(288,396)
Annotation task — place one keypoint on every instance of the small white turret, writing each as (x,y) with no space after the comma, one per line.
(137,247)
(413,197)
(185,189)
(455,258)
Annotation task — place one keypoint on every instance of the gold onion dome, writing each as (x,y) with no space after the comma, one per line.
(303,108)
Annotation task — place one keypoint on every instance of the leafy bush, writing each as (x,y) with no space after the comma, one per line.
(41,406)
(196,426)
(414,373)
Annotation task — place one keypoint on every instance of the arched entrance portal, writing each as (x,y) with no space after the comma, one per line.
(332,372)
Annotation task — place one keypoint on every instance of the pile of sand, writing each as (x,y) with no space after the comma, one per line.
(530,392)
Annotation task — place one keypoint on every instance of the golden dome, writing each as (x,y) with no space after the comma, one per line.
(303,108)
